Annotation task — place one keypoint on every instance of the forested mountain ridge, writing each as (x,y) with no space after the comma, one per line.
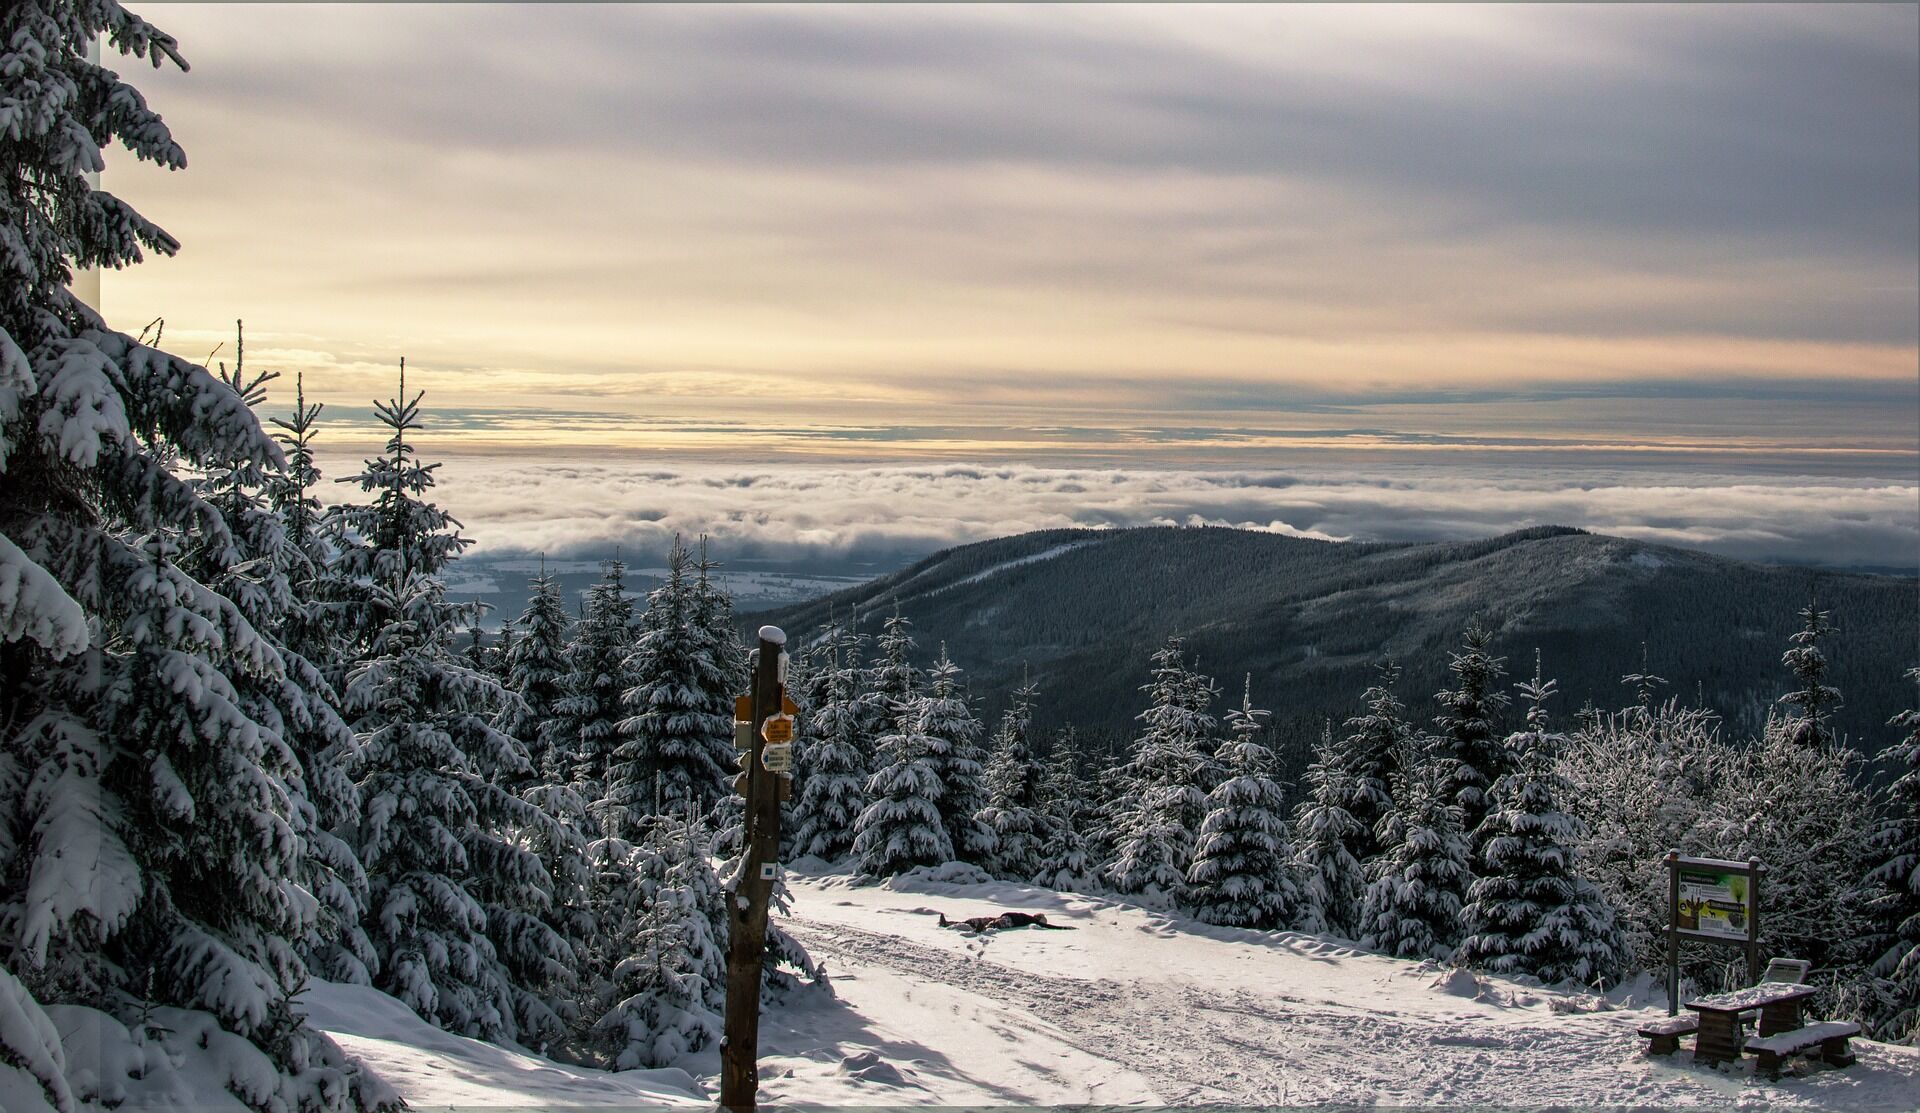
(1083,610)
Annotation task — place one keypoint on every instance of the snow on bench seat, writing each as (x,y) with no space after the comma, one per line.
(1831,1036)
(1786,1043)
(1666,1033)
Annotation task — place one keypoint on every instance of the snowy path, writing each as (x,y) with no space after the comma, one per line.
(1205,1015)
(1224,1046)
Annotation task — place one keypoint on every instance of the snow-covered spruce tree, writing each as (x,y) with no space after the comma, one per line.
(1469,742)
(560,839)
(902,827)
(834,792)
(718,641)
(533,669)
(1329,843)
(667,989)
(1065,862)
(809,676)
(674,739)
(1014,813)
(804,663)
(1529,911)
(1155,828)
(1419,881)
(272,578)
(1813,700)
(311,627)
(1242,872)
(1111,795)
(148,846)
(609,903)
(587,718)
(1212,769)
(893,681)
(1898,869)
(953,734)
(1375,739)
(458,905)
(537,673)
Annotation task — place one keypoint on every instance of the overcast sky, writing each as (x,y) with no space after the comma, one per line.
(1643,227)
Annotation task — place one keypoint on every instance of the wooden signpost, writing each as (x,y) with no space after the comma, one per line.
(765,713)
(1711,900)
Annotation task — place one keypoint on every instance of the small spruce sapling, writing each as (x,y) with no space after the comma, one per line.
(1813,700)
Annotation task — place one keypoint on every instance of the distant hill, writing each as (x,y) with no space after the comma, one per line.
(1084,609)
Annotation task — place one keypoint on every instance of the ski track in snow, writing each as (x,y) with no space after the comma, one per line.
(1225,1050)
(1017,562)
(995,570)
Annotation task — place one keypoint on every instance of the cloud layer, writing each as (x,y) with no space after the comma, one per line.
(884,515)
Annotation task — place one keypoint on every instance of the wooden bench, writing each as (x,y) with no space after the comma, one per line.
(1830,1036)
(1665,1034)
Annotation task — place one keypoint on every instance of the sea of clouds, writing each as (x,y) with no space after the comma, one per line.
(864,516)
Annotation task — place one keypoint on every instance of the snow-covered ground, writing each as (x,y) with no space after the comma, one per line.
(433,1069)
(1132,1006)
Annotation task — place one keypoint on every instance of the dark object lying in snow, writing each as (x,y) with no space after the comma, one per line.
(979,924)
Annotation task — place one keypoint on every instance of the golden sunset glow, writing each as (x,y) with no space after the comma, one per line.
(1079,215)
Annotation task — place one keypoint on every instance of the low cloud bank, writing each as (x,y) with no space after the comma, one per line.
(883,515)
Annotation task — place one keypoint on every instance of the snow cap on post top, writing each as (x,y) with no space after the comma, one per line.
(773,634)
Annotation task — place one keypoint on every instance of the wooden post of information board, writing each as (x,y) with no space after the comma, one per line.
(747,911)
(1673,933)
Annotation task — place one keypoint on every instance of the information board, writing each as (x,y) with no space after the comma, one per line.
(1711,900)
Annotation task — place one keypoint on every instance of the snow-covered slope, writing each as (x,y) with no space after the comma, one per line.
(433,1069)
(1131,1006)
